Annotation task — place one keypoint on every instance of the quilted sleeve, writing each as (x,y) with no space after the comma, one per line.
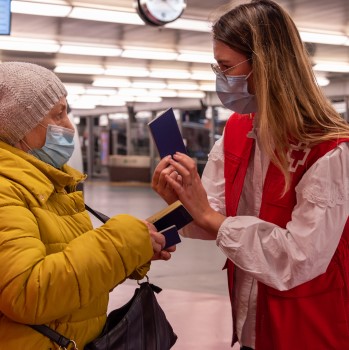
(37,288)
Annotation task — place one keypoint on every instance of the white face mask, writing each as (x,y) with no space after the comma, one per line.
(234,95)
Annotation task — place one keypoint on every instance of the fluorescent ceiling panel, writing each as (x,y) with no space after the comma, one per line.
(203,75)
(163,93)
(190,24)
(40,9)
(96,91)
(182,86)
(196,57)
(169,73)
(323,38)
(94,14)
(208,87)
(191,94)
(105,82)
(149,84)
(149,54)
(79,69)
(336,67)
(127,71)
(30,45)
(90,50)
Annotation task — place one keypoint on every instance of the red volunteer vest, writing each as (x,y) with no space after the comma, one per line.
(314,315)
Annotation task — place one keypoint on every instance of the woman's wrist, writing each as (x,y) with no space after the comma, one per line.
(211,221)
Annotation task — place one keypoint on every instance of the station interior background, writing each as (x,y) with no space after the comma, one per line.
(121,73)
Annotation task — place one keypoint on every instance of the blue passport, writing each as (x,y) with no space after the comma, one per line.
(174,214)
(166,134)
(171,235)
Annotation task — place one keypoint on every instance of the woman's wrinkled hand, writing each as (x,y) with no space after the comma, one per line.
(158,243)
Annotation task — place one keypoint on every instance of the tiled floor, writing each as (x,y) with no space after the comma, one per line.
(194,295)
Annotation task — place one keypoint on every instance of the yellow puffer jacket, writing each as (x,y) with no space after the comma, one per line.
(55,268)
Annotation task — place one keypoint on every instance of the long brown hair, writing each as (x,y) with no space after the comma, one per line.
(291,106)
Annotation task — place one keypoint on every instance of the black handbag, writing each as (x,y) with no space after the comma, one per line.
(140,324)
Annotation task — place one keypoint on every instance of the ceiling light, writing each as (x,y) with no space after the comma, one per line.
(30,45)
(82,105)
(60,9)
(75,89)
(336,67)
(148,99)
(147,54)
(322,81)
(112,101)
(79,69)
(208,87)
(203,75)
(127,71)
(39,9)
(191,56)
(190,24)
(163,93)
(182,86)
(169,73)
(133,92)
(94,14)
(191,94)
(149,84)
(96,91)
(90,50)
(92,99)
(324,38)
(105,82)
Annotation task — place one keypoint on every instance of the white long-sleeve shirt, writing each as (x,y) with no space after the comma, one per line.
(278,257)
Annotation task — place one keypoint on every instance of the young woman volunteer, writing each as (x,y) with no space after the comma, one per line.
(275,191)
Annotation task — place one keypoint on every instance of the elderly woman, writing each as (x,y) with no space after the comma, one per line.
(56,269)
(275,191)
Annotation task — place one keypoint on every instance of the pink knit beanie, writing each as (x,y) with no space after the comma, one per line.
(27,93)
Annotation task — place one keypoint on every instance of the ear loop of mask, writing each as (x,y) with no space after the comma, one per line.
(249,74)
(29,148)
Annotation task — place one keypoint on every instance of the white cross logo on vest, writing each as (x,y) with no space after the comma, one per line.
(297,155)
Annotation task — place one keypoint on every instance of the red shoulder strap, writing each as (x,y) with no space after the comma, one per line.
(237,149)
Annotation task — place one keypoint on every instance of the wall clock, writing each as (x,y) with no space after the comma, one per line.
(160,12)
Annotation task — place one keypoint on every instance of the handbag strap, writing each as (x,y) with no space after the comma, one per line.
(58,338)
(97,214)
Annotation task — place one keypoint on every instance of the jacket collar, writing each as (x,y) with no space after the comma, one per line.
(40,178)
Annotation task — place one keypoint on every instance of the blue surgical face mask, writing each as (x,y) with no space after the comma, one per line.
(234,95)
(58,148)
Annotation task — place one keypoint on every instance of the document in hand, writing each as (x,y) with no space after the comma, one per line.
(171,236)
(166,134)
(174,214)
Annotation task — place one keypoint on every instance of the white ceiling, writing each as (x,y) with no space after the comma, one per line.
(322,15)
